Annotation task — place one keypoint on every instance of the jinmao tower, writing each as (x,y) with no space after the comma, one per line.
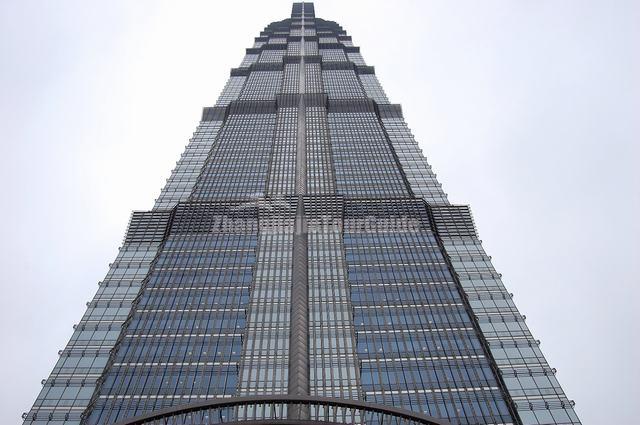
(302,265)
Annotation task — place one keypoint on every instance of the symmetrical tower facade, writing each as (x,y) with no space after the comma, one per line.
(302,263)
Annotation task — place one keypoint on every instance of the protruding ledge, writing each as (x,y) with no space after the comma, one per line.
(310,100)
(252,107)
(453,220)
(351,105)
(258,66)
(221,113)
(291,59)
(148,226)
(313,59)
(389,110)
(240,72)
(274,46)
(214,113)
(266,66)
(315,99)
(338,65)
(365,69)
(330,45)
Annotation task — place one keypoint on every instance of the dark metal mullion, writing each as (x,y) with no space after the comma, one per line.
(298,382)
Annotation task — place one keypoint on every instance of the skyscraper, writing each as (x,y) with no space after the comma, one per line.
(302,264)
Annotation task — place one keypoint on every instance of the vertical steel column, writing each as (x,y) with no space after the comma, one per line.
(299,338)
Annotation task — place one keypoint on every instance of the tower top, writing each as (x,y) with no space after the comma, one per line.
(299,10)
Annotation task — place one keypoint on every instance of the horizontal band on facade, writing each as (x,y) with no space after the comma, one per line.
(278,28)
(293,100)
(330,45)
(266,66)
(338,65)
(274,46)
(351,105)
(407,284)
(423,358)
(287,59)
(410,331)
(401,306)
(187,335)
(257,67)
(292,59)
(297,58)
(433,391)
(312,59)
(247,216)
(252,107)
(382,110)
(191,310)
(338,46)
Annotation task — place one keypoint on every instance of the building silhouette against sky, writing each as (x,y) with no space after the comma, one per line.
(302,263)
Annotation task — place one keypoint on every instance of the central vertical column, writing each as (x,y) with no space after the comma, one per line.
(299,337)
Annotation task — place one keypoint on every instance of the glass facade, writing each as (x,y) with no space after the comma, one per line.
(303,246)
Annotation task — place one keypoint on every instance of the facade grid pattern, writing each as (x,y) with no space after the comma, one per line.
(293,48)
(265,356)
(271,56)
(313,78)
(362,157)
(282,174)
(416,340)
(183,338)
(262,85)
(356,58)
(231,90)
(184,176)
(417,170)
(310,47)
(320,173)
(372,88)
(303,198)
(332,356)
(68,390)
(333,55)
(238,163)
(342,84)
(248,60)
(291,83)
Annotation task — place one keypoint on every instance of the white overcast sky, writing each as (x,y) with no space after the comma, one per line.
(527,110)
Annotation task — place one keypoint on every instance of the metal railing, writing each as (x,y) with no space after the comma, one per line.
(283,410)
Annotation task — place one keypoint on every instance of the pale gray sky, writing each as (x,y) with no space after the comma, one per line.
(528,111)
